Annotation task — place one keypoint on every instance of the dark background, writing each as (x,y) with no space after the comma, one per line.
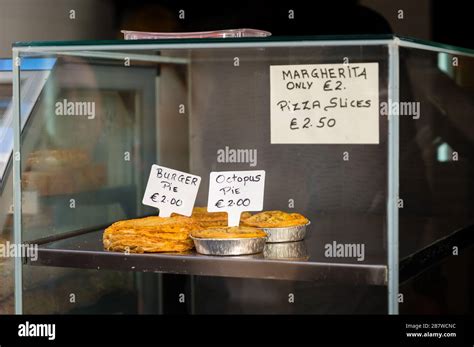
(443,21)
(27,20)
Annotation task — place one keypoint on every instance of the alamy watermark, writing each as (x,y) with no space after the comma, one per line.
(12,250)
(400,108)
(345,250)
(28,329)
(75,108)
(231,155)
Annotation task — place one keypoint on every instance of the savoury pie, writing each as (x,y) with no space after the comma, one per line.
(275,219)
(150,234)
(166,224)
(145,244)
(212,219)
(228,233)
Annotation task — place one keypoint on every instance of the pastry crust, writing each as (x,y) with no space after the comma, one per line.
(228,233)
(212,219)
(170,234)
(150,234)
(276,219)
(153,223)
(144,245)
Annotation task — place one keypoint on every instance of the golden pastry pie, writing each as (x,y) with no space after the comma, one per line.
(228,233)
(165,224)
(275,219)
(212,219)
(144,245)
(150,234)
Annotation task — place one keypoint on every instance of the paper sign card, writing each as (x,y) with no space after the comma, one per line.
(235,192)
(171,191)
(324,103)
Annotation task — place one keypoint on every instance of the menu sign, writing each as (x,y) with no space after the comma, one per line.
(235,192)
(324,104)
(171,191)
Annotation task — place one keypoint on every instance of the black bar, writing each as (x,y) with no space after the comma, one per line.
(241,329)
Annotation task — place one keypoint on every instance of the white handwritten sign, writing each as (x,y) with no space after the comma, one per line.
(325,103)
(171,191)
(236,191)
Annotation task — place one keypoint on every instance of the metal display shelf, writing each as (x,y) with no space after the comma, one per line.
(84,249)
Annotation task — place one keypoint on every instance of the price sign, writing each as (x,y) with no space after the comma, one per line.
(325,103)
(171,191)
(235,192)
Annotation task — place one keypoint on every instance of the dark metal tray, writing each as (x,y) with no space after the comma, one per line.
(83,249)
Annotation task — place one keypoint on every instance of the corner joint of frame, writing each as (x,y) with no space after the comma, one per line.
(395,43)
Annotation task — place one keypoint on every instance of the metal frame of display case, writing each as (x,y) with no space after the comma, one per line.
(53,251)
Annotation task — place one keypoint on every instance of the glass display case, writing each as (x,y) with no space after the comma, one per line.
(370,138)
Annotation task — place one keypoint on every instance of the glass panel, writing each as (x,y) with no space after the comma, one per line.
(50,290)
(437,46)
(200,41)
(404,40)
(344,199)
(105,116)
(436,170)
(33,77)
(76,163)
(6,235)
(6,220)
